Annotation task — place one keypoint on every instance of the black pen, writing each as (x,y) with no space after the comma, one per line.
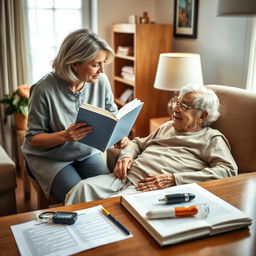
(178,198)
(114,220)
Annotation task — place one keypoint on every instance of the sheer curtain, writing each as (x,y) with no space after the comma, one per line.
(251,78)
(13,61)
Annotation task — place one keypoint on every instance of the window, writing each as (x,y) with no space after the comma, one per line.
(49,22)
(251,78)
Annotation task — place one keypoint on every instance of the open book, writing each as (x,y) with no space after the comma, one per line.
(108,128)
(222,216)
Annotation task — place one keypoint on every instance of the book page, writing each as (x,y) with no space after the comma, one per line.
(128,107)
(98,110)
(92,229)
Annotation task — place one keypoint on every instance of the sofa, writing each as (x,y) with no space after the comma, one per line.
(7,184)
(237,122)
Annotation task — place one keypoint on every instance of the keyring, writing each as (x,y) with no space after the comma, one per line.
(46,216)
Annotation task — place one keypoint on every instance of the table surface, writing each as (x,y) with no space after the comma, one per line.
(239,191)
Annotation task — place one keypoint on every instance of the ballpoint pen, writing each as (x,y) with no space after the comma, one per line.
(178,198)
(115,221)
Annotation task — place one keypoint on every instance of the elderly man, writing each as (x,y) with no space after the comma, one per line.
(183,150)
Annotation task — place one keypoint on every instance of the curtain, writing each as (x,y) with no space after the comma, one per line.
(13,62)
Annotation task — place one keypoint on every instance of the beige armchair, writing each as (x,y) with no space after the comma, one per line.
(237,123)
(7,184)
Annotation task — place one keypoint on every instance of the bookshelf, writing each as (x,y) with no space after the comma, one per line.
(147,42)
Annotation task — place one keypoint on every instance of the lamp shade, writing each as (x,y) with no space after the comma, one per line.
(175,70)
(236,7)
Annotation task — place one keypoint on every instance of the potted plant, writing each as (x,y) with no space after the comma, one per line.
(17,104)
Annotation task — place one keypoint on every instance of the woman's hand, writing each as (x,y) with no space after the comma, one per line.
(120,170)
(122,143)
(154,182)
(77,131)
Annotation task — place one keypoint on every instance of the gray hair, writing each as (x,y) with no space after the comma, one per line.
(78,47)
(205,99)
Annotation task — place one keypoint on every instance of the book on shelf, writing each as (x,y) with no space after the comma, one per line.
(108,128)
(125,50)
(127,73)
(222,216)
(127,95)
(128,76)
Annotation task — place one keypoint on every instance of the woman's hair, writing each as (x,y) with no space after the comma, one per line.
(205,99)
(78,47)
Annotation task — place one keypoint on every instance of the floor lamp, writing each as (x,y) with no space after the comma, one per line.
(175,70)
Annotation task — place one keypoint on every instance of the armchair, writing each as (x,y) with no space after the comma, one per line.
(7,184)
(237,123)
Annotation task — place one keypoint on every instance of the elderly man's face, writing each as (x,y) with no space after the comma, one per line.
(189,120)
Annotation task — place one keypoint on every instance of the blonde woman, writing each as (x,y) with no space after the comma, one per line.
(52,151)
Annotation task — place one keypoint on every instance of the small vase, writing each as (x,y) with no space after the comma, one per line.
(21,121)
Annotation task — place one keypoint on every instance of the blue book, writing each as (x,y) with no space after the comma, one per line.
(108,128)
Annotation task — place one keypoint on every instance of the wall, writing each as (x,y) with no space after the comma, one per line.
(223,42)
(118,11)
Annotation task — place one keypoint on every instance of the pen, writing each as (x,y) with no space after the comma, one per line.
(178,198)
(114,220)
(172,212)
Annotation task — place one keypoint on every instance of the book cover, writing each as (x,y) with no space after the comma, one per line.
(108,128)
(222,217)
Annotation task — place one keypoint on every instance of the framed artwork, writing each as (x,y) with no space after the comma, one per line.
(185,18)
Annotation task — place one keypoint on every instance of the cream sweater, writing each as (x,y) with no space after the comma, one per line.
(189,156)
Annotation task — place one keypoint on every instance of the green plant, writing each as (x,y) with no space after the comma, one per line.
(17,103)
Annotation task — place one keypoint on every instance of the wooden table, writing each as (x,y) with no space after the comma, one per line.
(240,191)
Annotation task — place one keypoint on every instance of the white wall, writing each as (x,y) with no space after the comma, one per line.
(118,11)
(223,42)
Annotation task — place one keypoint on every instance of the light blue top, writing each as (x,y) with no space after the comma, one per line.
(52,108)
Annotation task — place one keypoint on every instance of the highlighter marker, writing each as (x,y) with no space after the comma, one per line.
(172,212)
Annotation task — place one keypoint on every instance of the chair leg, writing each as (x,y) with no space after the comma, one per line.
(42,201)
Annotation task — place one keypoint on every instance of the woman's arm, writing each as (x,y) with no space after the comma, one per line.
(75,132)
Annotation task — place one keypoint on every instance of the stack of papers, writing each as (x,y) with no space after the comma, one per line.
(92,229)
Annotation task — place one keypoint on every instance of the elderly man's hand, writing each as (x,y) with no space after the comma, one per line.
(122,143)
(120,170)
(154,182)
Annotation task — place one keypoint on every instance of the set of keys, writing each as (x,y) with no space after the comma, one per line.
(59,217)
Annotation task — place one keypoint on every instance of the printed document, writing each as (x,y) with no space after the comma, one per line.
(92,229)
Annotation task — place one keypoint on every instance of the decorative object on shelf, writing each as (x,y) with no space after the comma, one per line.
(134,19)
(175,70)
(185,18)
(145,18)
(17,105)
(236,7)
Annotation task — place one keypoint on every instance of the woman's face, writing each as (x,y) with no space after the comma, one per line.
(89,71)
(189,120)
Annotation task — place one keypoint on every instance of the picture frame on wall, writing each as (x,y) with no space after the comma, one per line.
(185,18)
